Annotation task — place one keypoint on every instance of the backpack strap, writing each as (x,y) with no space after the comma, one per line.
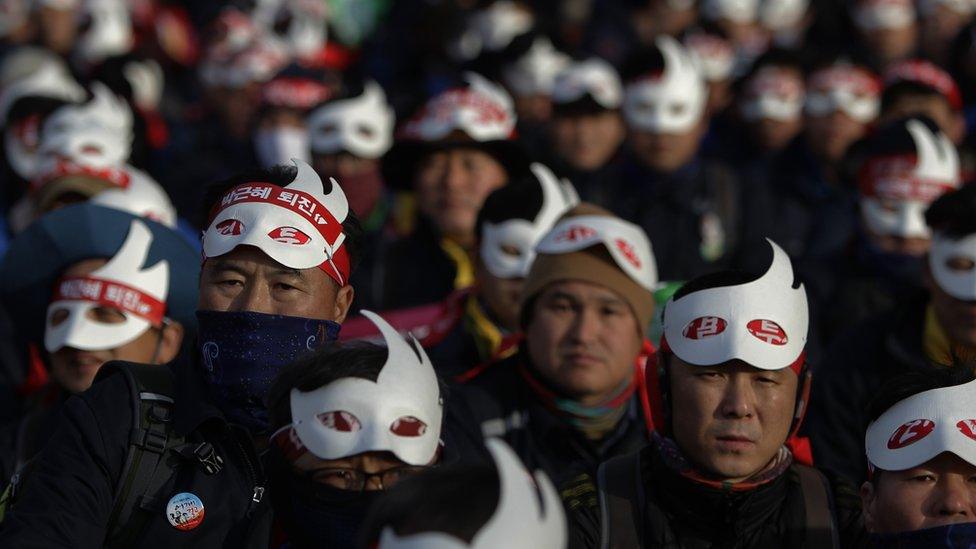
(621,502)
(821,529)
(147,467)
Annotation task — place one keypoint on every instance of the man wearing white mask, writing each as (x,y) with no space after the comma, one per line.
(347,137)
(350,422)
(888,30)
(688,204)
(920,490)
(922,334)
(727,396)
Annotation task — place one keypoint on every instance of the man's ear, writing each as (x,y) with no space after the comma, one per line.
(170,339)
(868,498)
(343,301)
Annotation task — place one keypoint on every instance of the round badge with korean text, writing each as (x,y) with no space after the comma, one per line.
(184,511)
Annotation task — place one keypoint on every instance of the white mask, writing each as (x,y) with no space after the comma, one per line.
(738,11)
(627,244)
(297,225)
(529,515)
(278,145)
(594,77)
(483,111)
(143,196)
(763,322)
(361,125)
(523,235)
(401,412)
(895,193)
(883,14)
(122,284)
(672,102)
(535,72)
(773,93)
(110,32)
(923,426)
(96,133)
(960,283)
(715,55)
(846,88)
(781,15)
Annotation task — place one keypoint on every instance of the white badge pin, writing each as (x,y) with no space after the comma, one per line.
(184,511)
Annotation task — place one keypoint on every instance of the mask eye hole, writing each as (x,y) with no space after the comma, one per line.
(340,420)
(365,131)
(677,109)
(408,426)
(510,250)
(59,316)
(961,264)
(889,206)
(106,315)
(328,128)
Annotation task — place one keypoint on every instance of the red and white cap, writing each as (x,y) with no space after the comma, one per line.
(896,190)
(953,265)
(775,93)
(143,196)
(922,426)
(763,323)
(401,412)
(482,110)
(529,513)
(123,284)
(845,87)
(928,74)
(361,125)
(298,225)
(671,101)
(883,14)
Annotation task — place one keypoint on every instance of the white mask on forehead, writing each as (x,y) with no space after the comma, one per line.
(843,88)
(958,281)
(923,426)
(361,125)
(522,235)
(763,323)
(674,101)
(529,515)
(98,133)
(775,94)
(898,206)
(110,32)
(126,267)
(401,412)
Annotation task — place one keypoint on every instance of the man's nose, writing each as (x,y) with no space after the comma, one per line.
(954,498)
(739,399)
(253,298)
(585,327)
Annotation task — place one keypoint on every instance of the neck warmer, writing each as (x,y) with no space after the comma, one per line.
(676,461)
(594,421)
(952,535)
(938,347)
(242,352)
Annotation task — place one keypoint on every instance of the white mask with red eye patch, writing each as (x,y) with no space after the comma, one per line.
(763,322)
(400,412)
(298,225)
(923,426)
(97,133)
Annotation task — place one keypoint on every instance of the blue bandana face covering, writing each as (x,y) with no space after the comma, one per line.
(242,352)
(951,536)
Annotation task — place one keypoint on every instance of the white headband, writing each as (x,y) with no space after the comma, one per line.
(763,322)
(923,426)
(529,514)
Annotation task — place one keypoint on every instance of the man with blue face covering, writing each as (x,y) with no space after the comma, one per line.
(169,458)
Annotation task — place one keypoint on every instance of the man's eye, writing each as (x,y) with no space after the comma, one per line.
(284,287)
(708,375)
(767,381)
(611,311)
(230,282)
(924,477)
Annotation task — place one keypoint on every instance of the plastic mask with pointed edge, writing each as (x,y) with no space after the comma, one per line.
(123,284)
(953,264)
(594,77)
(483,111)
(508,248)
(298,225)
(50,80)
(671,101)
(774,93)
(923,426)
(361,125)
(97,133)
(400,412)
(110,32)
(627,244)
(535,71)
(763,323)
(896,190)
(850,89)
(529,514)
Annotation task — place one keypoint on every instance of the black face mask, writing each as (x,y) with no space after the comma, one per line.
(318,515)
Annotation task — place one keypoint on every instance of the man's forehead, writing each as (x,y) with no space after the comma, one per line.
(735,366)
(581,290)
(249,259)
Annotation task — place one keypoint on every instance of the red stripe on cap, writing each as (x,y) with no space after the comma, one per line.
(891,177)
(64,168)
(928,74)
(112,294)
(301,203)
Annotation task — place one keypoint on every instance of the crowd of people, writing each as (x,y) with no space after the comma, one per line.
(488,273)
